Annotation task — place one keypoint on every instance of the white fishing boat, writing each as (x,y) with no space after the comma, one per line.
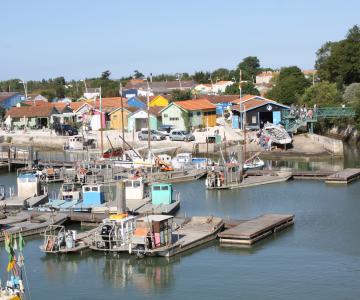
(114,234)
(254,162)
(79,142)
(277,134)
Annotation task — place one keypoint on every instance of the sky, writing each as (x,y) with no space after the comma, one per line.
(82,38)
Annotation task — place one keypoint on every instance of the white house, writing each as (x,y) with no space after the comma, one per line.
(212,89)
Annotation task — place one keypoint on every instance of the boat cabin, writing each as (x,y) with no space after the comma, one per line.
(93,194)
(152,231)
(182,160)
(229,174)
(76,142)
(134,188)
(114,234)
(162,194)
(70,191)
(28,185)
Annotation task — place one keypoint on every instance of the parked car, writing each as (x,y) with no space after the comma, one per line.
(154,135)
(181,135)
(166,129)
(64,129)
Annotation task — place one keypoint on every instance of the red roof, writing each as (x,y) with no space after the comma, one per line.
(197,104)
(32,111)
(253,103)
(244,98)
(220,98)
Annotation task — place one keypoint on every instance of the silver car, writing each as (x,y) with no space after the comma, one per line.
(181,135)
(154,135)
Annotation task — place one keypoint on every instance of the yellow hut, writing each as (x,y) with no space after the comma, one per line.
(116,118)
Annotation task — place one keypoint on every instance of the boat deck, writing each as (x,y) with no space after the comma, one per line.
(196,232)
(249,232)
(34,226)
(257,180)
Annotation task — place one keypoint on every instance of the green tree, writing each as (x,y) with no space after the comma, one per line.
(105,75)
(351,92)
(221,74)
(340,61)
(249,67)
(180,95)
(289,86)
(138,74)
(201,77)
(247,89)
(321,94)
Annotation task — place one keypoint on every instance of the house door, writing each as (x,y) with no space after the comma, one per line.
(265,116)
(235,122)
(276,117)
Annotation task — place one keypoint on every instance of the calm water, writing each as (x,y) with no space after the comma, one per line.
(318,258)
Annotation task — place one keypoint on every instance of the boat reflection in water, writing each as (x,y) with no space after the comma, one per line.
(146,274)
(118,270)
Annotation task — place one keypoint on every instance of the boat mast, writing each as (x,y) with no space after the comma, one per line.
(122,118)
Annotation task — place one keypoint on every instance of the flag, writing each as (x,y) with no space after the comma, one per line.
(21,242)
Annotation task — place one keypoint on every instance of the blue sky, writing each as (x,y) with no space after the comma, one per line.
(78,38)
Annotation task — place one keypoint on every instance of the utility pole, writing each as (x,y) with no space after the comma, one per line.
(101,127)
(122,118)
(148,113)
(179,79)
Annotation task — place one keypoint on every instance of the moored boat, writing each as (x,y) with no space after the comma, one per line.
(159,235)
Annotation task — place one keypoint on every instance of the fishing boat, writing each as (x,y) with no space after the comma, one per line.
(187,161)
(277,134)
(79,142)
(230,176)
(59,240)
(254,163)
(159,235)
(14,288)
(114,234)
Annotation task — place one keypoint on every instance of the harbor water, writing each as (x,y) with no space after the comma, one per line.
(317,258)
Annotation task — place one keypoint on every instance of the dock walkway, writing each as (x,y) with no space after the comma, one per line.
(344,177)
(249,232)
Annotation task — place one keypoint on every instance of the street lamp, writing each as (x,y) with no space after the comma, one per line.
(178,77)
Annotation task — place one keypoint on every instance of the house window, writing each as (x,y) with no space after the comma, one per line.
(174,119)
(165,115)
(190,114)
(253,119)
(198,113)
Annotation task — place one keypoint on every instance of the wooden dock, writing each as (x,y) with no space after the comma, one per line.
(344,177)
(254,230)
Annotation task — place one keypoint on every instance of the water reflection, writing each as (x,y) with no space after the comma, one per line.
(118,271)
(147,274)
